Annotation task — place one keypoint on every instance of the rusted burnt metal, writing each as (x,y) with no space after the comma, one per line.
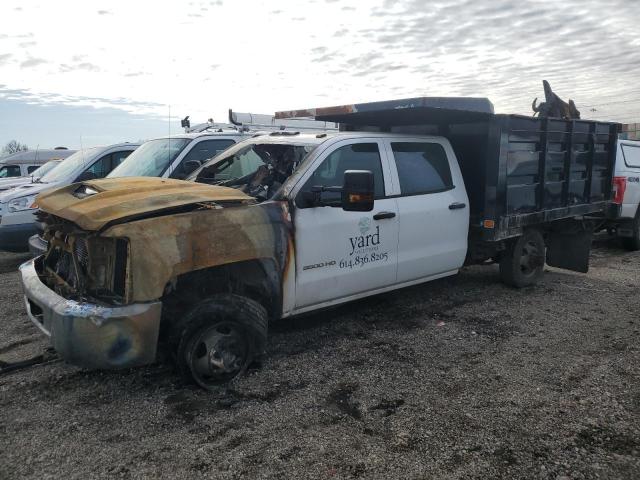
(554,106)
(166,247)
(129,198)
(89,334)
(114,255)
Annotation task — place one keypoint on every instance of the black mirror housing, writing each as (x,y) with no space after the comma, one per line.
(358,191)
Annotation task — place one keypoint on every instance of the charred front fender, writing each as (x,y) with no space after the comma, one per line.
(164,247)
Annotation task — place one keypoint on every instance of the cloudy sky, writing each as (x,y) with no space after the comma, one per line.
(95,72)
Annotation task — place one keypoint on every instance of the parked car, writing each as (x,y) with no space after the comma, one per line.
(626,222)
(23,164)
(179,155)
(281,225)
(17,206)
(13,182)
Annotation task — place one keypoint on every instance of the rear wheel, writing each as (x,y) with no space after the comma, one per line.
(633,243)
(220,338)
(522,264)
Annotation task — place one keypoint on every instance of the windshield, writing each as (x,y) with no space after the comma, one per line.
(258,169)
(44,169)
(151,159)
(69,165)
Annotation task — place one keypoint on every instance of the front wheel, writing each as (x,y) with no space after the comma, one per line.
(221,337)
(523,262)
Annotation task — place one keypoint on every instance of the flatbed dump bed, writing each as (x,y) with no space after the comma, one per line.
(519,171)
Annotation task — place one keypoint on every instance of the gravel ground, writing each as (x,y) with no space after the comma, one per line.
(459,378)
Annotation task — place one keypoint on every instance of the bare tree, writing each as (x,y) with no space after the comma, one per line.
(14,146)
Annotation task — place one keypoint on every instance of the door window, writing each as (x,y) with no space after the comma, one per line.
(358,156)
(243,163)
(10,171)
(631,155)
(101,168)
(32,168)
(200,152)
(422,167)
(118,157)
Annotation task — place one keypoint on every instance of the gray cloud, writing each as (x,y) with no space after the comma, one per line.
(104,12)
(32,62)
(501,49)
(4,58)
(86,66)
(56,99)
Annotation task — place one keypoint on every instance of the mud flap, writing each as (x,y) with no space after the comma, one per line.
(569,250)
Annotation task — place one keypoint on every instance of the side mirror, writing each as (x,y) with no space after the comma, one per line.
(190,166)
(357,191)
(86,175)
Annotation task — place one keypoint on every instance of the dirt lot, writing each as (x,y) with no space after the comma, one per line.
(461,378)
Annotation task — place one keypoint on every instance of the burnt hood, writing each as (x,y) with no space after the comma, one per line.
(95,203)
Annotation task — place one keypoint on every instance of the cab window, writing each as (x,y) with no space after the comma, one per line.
(106,164)
(243,164)
(200,152)
(422,167)
(118,157)
(32,168)
(631,155)
(358,156)
(10,171)
(101,168)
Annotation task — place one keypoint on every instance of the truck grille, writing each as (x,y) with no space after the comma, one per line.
(81,252)
(64,266)
(61,261)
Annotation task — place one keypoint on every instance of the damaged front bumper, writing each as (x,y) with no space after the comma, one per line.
(90,335)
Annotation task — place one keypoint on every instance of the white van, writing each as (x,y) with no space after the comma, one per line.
(23,164)
(34,176)
(627,193)
(18,205)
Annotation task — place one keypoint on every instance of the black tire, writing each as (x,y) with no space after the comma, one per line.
(219,338)
(633,243)
(523,262)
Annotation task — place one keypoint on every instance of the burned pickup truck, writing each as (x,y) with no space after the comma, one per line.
(282,224)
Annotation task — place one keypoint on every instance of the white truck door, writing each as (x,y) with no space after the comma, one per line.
(340,254)
(432,206)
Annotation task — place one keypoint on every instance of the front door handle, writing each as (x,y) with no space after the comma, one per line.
(383,215)
(457,206)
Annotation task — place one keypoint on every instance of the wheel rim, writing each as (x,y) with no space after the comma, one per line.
(528,263)
(218,354)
